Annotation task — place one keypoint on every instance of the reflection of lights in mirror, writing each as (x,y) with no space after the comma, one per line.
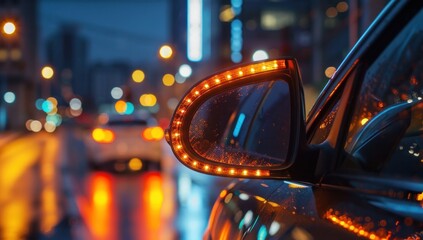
(239,123)
(220,80)
(239,133)
(244,196)
(247,220)
(274,228)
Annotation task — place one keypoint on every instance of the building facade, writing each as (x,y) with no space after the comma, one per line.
(18,62)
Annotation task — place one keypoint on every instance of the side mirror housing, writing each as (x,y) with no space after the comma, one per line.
(247,121)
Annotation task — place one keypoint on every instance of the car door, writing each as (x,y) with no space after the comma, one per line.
(371,138)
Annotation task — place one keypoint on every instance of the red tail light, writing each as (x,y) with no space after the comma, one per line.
(153,133)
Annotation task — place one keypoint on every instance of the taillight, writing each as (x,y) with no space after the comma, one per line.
(103,135)
(153,133)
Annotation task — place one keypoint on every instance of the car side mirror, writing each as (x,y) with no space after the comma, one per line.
(385,131)
(247,121)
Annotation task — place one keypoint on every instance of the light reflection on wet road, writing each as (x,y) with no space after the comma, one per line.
(29,190)
(47,191)
(128,207)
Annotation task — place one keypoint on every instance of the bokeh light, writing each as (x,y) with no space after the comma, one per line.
(331,12)
(185,70)
(260,55)
(9,97)
(47,72)
(153,133)
(47,106)
(148,100)
(226,14)
(135,164)
(165,51)
(75,113)
(75,104)
(53,101)
(129,108)
(157,133)
(103,118)
(55,119)
(120,107)
(330,71)
(179,79)
(103,135)
(168,80)
(35,126)
(39,103)
(28,124)
(342,6)
(49,127)
(138,76)
(9,28)
(116,93)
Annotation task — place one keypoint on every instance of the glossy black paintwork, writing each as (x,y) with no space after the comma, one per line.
(287,210)
(282,210)
(341,205)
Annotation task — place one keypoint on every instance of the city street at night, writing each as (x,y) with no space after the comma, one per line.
(211,119)
(48,191)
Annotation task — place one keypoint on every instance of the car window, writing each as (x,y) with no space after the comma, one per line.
(324,127)
(321,128)
(385,135)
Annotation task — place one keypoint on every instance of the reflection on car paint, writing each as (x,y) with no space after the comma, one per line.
(357,228)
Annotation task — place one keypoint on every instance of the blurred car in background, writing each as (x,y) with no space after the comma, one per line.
(125,143)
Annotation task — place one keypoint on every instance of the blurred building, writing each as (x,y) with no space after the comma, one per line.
(113,81)
(207,35)
(318,33)
(105,77)
(67,54)
(18,61)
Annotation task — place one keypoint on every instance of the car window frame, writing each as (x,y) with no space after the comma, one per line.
(333,88)
(395,25)
(394,17)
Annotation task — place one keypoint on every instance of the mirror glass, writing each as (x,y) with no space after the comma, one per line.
(244,126)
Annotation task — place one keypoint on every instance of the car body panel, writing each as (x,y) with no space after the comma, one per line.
(270,209)
(290,210)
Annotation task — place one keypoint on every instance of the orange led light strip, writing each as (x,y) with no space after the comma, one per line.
(355,228)
(218,80)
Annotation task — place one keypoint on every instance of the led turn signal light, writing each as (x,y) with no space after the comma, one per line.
(223,79)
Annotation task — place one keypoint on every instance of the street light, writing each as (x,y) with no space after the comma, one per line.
(260,55)
(168,79)
(9,28)
(185,70)
(166,52)
(47,72)
(138,76)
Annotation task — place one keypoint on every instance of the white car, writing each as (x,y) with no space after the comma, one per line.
(125,143)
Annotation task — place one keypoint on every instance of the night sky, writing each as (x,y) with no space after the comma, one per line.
(116,30)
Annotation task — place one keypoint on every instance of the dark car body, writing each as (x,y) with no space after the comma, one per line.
(360,171)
